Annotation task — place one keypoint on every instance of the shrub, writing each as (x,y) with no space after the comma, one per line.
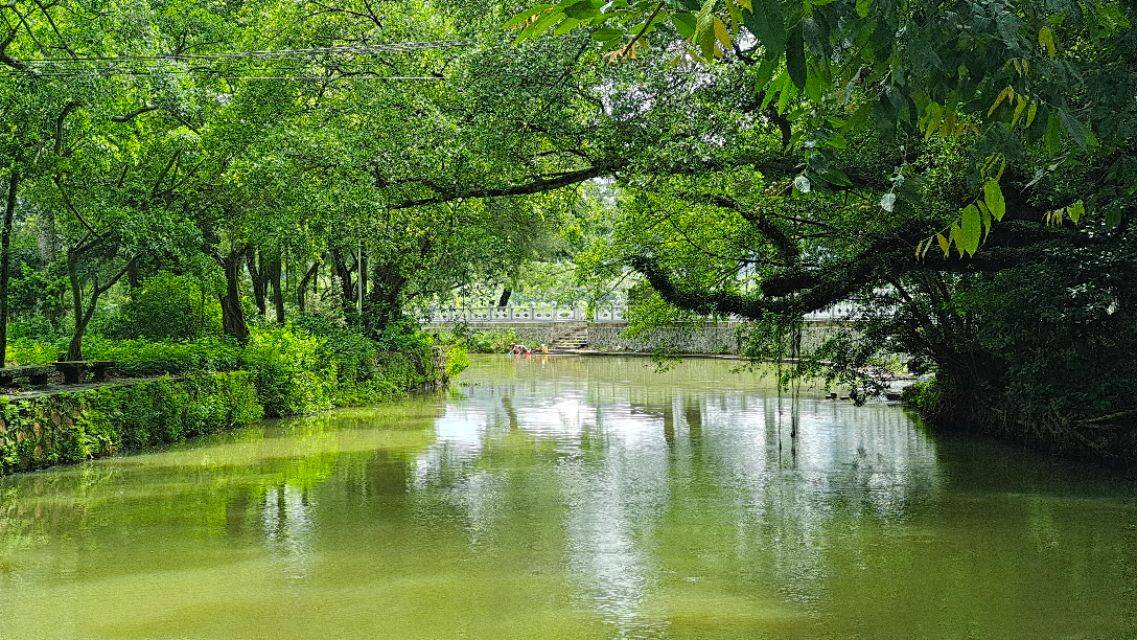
(70,427)
(28,350)
(457,360)
(923,397)
(354,354)
(290,371)
(295,369)
(144,357)
(492,341)
(168,307)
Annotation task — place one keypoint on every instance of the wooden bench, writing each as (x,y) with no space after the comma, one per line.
(73,370)
(34,374)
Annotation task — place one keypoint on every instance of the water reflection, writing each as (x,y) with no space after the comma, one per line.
(574,498)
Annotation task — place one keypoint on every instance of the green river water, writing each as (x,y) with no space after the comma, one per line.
(574,498)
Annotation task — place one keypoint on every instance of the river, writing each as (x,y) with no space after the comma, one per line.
(565,497)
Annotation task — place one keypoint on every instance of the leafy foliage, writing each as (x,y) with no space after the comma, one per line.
(168,307)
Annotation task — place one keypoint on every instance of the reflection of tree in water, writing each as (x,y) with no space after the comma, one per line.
(672,455)
(287,526)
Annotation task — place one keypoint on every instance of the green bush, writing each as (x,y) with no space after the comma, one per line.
(492,341)
(291,370)
(28,350)
(354,354)
(295,369)
(144,357)
(457,360)
(70,427)
(167,307)
(923,397)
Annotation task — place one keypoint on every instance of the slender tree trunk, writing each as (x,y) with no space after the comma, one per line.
(84,313)
(506,294)
(347,284)
(6,260)
(257,277)
(275,270)
(232,314)
(81,314)
(311,277)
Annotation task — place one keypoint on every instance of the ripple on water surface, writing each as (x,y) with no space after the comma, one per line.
(581,498)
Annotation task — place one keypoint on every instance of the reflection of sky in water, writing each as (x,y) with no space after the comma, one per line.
(622,442)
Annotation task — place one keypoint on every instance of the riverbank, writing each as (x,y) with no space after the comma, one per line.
(67,424)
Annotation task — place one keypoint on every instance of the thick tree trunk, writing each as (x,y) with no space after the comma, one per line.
(506,294)
(232,314)
(6,260)
(384,300)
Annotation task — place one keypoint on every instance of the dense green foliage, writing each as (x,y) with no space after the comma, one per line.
(167,307)
(337,167)
(294,370)
(484,341)
(81,425)
(962,170)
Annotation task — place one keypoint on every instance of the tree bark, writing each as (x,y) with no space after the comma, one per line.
(347,284)
(5,260)
(309,278)
(273,276)
(258,277)
(506,294)
(384,299)
(232,314)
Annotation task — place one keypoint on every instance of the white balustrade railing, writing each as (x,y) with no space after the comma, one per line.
(550,312)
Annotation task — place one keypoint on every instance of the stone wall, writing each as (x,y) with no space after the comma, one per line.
(530,333)
(708,338)
(720,338)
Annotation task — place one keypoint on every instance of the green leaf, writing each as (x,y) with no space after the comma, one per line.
(580,10)
(1031,113)
(1053,137)
(768,25)
(607,34)
(970,231)
(837,177)
(863,7)
(795,57)
(526,16)
(705,30)
(954,236)
(1008,92)
(993,198)
(544,23)
(685,23)
(1073,127)
(1076,210)
(945,244)
(1046,40)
